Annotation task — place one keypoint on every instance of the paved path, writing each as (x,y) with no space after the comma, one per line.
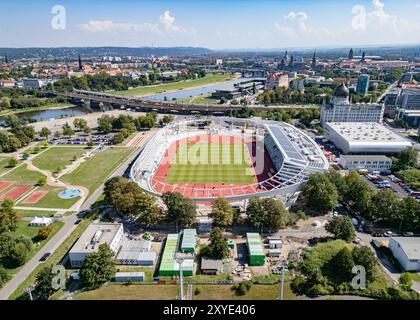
(65,231)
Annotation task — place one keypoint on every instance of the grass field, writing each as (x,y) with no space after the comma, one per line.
(57,157)
(210,163)
(33,213)
(4,164)
(95,170)
(155,89)
(21,175)
(114,291)
(51,199)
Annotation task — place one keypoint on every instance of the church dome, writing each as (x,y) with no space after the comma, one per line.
(342,91)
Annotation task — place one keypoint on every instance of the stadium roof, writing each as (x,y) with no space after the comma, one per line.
(284,142)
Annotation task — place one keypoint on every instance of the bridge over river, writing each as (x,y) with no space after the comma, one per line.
(101,99)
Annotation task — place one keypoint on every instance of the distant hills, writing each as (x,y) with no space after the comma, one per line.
(17,53)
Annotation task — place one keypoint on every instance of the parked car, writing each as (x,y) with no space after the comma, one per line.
(376,234)
(45,256)
(78,221)
(388,234)
(408,234)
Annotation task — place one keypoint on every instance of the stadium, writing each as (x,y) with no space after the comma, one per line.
(227,157)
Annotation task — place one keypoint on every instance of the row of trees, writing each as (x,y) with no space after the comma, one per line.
(323,192)
(19,135)
(107,124)
(129,200)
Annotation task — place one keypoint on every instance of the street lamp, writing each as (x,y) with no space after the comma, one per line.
(29,291)
(181,278)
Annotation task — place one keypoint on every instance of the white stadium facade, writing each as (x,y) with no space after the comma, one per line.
(293,154)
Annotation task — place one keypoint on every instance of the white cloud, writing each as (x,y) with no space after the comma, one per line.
(166,25)
(295,26)
(379,20)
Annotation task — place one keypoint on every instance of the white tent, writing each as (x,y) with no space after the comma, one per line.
(41,222)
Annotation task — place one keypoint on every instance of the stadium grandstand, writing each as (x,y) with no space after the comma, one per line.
(254,158)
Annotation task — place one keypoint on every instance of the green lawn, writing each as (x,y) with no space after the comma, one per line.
(55,257)
(57,157)
(33,213)
(51,199)
(21,175)
(211,163)
(114,291)
(95,170)
(31,232)
(4,164)
(155,89)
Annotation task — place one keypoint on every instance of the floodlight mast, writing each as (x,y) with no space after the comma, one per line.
(181,278)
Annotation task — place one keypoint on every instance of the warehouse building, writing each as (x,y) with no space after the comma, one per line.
(365,138)
(189,240)
(95,235)
(136,252)
(371,163)
(255,249)
(170,262)
(407,251)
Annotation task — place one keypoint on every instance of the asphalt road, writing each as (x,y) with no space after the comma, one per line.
(64,232)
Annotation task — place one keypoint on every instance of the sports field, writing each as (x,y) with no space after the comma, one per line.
(211,163)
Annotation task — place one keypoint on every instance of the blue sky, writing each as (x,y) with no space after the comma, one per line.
(215,24)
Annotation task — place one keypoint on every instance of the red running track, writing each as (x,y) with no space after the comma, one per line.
(5,184)
(206,190)
(15,193)
(35,197)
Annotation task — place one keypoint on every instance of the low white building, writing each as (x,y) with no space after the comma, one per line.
(407,251)
(41,222)
(129,276)
(136,252)
(95,235)
(365,137)
(369,162)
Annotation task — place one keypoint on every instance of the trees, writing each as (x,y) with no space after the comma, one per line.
(342,228)
(44,232)
(406,280)
(167,119)
(43,283)
(181,210)
(12,162)
(358,193)
(320,194)
(385,206)
(8,216)
(44,133)
(80,123)
(42,181)
(267,212)
(406,159)
(363,256)
(118,138)
(67,130)
(14,250)
(105,124)
(340,266)
(129,200)
(98,267)
(222,212)
(4,276)
(218,247)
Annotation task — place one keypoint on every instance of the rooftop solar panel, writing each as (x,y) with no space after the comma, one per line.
(285,143)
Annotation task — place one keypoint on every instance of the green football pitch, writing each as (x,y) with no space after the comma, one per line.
(211,163)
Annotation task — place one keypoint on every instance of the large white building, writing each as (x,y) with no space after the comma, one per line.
(95,235)
(371,163)
(363,137)
(407,251)
(342,110)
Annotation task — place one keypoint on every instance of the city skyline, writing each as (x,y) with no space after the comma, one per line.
(240,25)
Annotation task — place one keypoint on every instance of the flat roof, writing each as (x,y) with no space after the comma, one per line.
(211,264)
(255,245)
(410,245)
(103,233)
(366,132)
(189,238)
(366,157)
(284,142)
(130,274)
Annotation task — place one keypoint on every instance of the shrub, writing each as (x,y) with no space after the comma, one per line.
(197,291)
(44,232)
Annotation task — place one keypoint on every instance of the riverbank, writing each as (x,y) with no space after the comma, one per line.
(176,86)
(50,106)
